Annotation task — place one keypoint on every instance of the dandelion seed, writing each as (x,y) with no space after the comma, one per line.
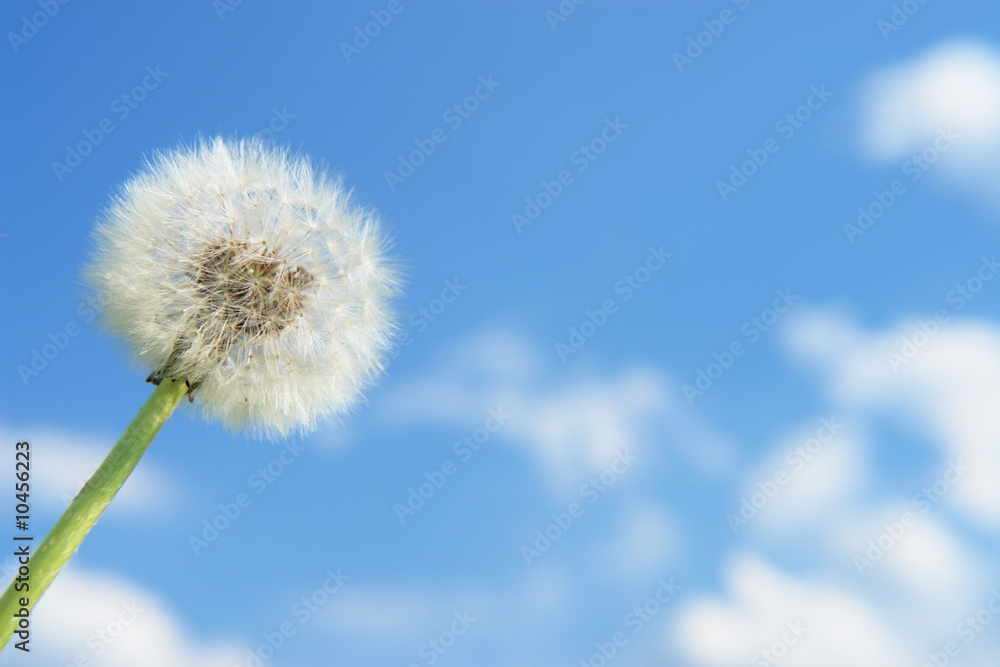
(243,271)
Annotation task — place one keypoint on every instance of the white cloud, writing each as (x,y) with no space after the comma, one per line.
(380,613)
(928,563)
(956,85)
(805,622)
(824,468)
(948,385)
(62,461)
(574,428)
(102,620)
(646,542)
(927,578)
(514,622)
(580,428)
(487,369)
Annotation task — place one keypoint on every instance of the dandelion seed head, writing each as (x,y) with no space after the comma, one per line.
(243,270)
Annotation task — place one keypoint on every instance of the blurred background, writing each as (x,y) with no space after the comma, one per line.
(700,360)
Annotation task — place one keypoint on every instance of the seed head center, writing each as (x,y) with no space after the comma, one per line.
(248,290)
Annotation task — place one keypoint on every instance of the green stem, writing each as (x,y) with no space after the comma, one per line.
(81,515)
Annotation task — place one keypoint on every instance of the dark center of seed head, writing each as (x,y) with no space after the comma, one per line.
(248,290)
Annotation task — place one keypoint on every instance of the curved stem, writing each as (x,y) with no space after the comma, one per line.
(88,505)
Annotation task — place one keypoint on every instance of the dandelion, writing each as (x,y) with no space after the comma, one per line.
(245,273)
(243,278)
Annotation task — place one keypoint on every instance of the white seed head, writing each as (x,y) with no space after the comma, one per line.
(242,270)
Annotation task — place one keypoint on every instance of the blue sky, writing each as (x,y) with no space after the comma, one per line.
(859,398)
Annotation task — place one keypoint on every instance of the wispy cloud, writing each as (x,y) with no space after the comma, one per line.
(954,85)
(573,425)
(946,382)
(801,621)
(63,461)
(103,620)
